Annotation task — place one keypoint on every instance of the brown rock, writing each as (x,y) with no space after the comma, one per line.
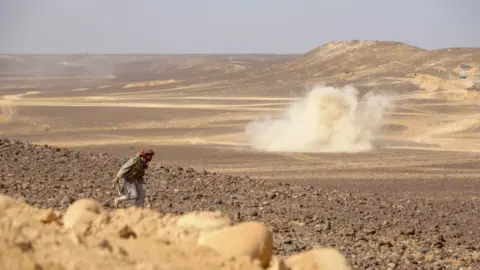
(66,200)
(126,232)
(48,216)
(82,213)
(105,244)
(14,259)
(277,264)
(318,259)
(75,238)
(252,239)
(7,202)
(204,221)
(24,245)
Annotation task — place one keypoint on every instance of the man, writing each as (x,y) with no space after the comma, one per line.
(132,173)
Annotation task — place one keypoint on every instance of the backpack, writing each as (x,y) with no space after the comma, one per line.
(137,170)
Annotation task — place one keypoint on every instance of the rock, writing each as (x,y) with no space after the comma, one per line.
(252,239)
(66,200)
(439,238)
(48,216)
(82,213)
(14,259)
(277,264)
(126,232)
(21,198)
(105,244)
(318,259)
(350,232)
(391,266)
(291,248)
(24,245)
(204,221)
(75,238)
(344,222)
(122,251)
(7,202)
(410,231)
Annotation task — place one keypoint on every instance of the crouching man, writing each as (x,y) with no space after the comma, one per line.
(131,174)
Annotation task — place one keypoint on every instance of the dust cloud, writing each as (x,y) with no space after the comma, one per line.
(326,119)
(7,109)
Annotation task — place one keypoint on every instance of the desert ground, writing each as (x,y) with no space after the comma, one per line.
(368,147)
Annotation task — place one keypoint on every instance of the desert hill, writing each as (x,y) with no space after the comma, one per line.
(383,62)
(47,73)
(365,61)
(341,56)
(129,65)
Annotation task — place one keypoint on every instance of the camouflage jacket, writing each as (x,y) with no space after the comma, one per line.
(133,169)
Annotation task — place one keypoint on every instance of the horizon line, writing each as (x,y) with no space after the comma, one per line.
(235,53)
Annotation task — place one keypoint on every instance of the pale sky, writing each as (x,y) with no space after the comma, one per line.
(230,26)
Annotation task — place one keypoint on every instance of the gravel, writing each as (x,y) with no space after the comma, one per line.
(375,230)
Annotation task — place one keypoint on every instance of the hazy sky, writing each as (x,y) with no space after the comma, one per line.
(230,26)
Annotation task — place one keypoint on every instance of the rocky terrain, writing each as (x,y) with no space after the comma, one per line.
(372,229)
(87,236)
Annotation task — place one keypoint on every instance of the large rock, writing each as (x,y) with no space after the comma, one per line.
(277,263)
(204,221)
(188,227)
(125,239)
(318,259)
(14,258)
(82,213)
(7,202)
(252,239)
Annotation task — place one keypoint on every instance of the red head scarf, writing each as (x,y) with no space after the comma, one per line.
(146,153)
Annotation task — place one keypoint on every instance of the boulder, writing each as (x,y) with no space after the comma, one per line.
(318,259)
(204,221)
(82,213)
(7,202)
(252,239)
(277,263)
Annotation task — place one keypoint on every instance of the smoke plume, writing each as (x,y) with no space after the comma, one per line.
(326,119)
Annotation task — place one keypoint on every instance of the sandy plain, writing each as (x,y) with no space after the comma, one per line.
(196,111)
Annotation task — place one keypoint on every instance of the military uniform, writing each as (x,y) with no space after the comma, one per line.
(131,175)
